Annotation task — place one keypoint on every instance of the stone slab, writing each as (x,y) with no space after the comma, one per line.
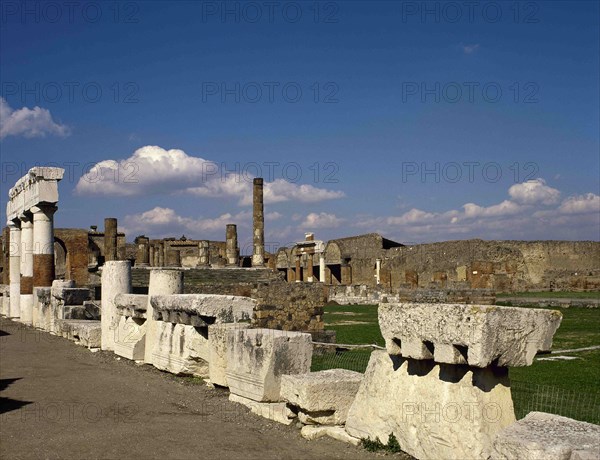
(86,333)
(133,305)
(70,295)
(276,411)
(478,335)
(541,436)
(181,349)
(218,344)
(130,339)
(257,358)
(215,308)
(336,432)
(323,397)
(435,410)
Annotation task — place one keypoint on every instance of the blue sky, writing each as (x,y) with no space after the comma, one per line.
(344,107)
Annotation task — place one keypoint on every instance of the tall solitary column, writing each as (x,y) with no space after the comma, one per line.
(258,254)
(15,269)
(43,245)
(110,239)
(232,253)
(116,279)
(322,267)
(162,282)
(27,268)
(378,271)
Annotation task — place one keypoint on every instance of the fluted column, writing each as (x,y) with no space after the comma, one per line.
(43,245)
(27,268)
(232,252)
(15,269)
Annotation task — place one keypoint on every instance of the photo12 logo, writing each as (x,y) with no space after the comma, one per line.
(71,92)
(470,12)
(469,91)
(269,92)
(269,12)
(68,12)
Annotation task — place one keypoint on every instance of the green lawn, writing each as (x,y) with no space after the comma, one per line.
(552,295)
(568,388)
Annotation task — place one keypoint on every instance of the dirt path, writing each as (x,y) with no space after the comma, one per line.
(59,400)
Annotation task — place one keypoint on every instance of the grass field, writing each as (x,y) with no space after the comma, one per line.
(565,387)
(551,295)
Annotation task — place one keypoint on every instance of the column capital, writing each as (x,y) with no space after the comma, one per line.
(47,209)
(14,224)
(26,218)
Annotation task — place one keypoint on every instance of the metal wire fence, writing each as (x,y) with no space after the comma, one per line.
(527,397)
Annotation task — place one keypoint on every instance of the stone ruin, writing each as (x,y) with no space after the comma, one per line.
(441,386)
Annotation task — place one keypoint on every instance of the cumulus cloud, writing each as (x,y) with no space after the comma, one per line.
(533,211)
(164,222)
(36,122)
(321,220)
(534,191)
(152,169)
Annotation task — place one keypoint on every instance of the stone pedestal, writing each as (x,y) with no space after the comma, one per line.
(110,239)
(162,282)
(15,269)
(43,245)
(116,279)
(258,254)
(27,268)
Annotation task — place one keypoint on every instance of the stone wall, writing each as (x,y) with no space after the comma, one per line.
(73,246)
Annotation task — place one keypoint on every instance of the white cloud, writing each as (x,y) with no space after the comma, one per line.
(528,214)
(534,191)
(581,204)
(152,169)
(162,222)
(321,220)
(36,122)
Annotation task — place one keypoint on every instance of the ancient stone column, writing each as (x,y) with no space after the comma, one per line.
(15,269)
(378,271)
(162,282)
(298,269)
(161,255)
(258,255)
(204,252)
(232,253)
(110,239)
(142,258)
(173,258)
(43,245)
(6,255)
(151,255)
(322,267)
(309,268)
(26,268)
(116,279)
(291,275)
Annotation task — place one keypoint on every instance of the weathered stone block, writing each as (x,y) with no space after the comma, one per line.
(130,338)
(133,305)
(181,349)
(323,397)
(219,341)
(86,333)
(541,436)
(276,411)
(434,410)
(478,335)
(220,308)
(70,295)
(259,357)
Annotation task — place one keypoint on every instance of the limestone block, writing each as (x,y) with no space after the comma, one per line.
(130,339)
(323,397)
(257,358)
(41,303)
(276,411)
(218,344)
(181,349)
(84,332)
(541,436)
(434,410)
(223,308)
(133,305)
(70,295)
(336,432)
(478,335)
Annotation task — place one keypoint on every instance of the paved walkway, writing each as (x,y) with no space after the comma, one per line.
(59,400)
